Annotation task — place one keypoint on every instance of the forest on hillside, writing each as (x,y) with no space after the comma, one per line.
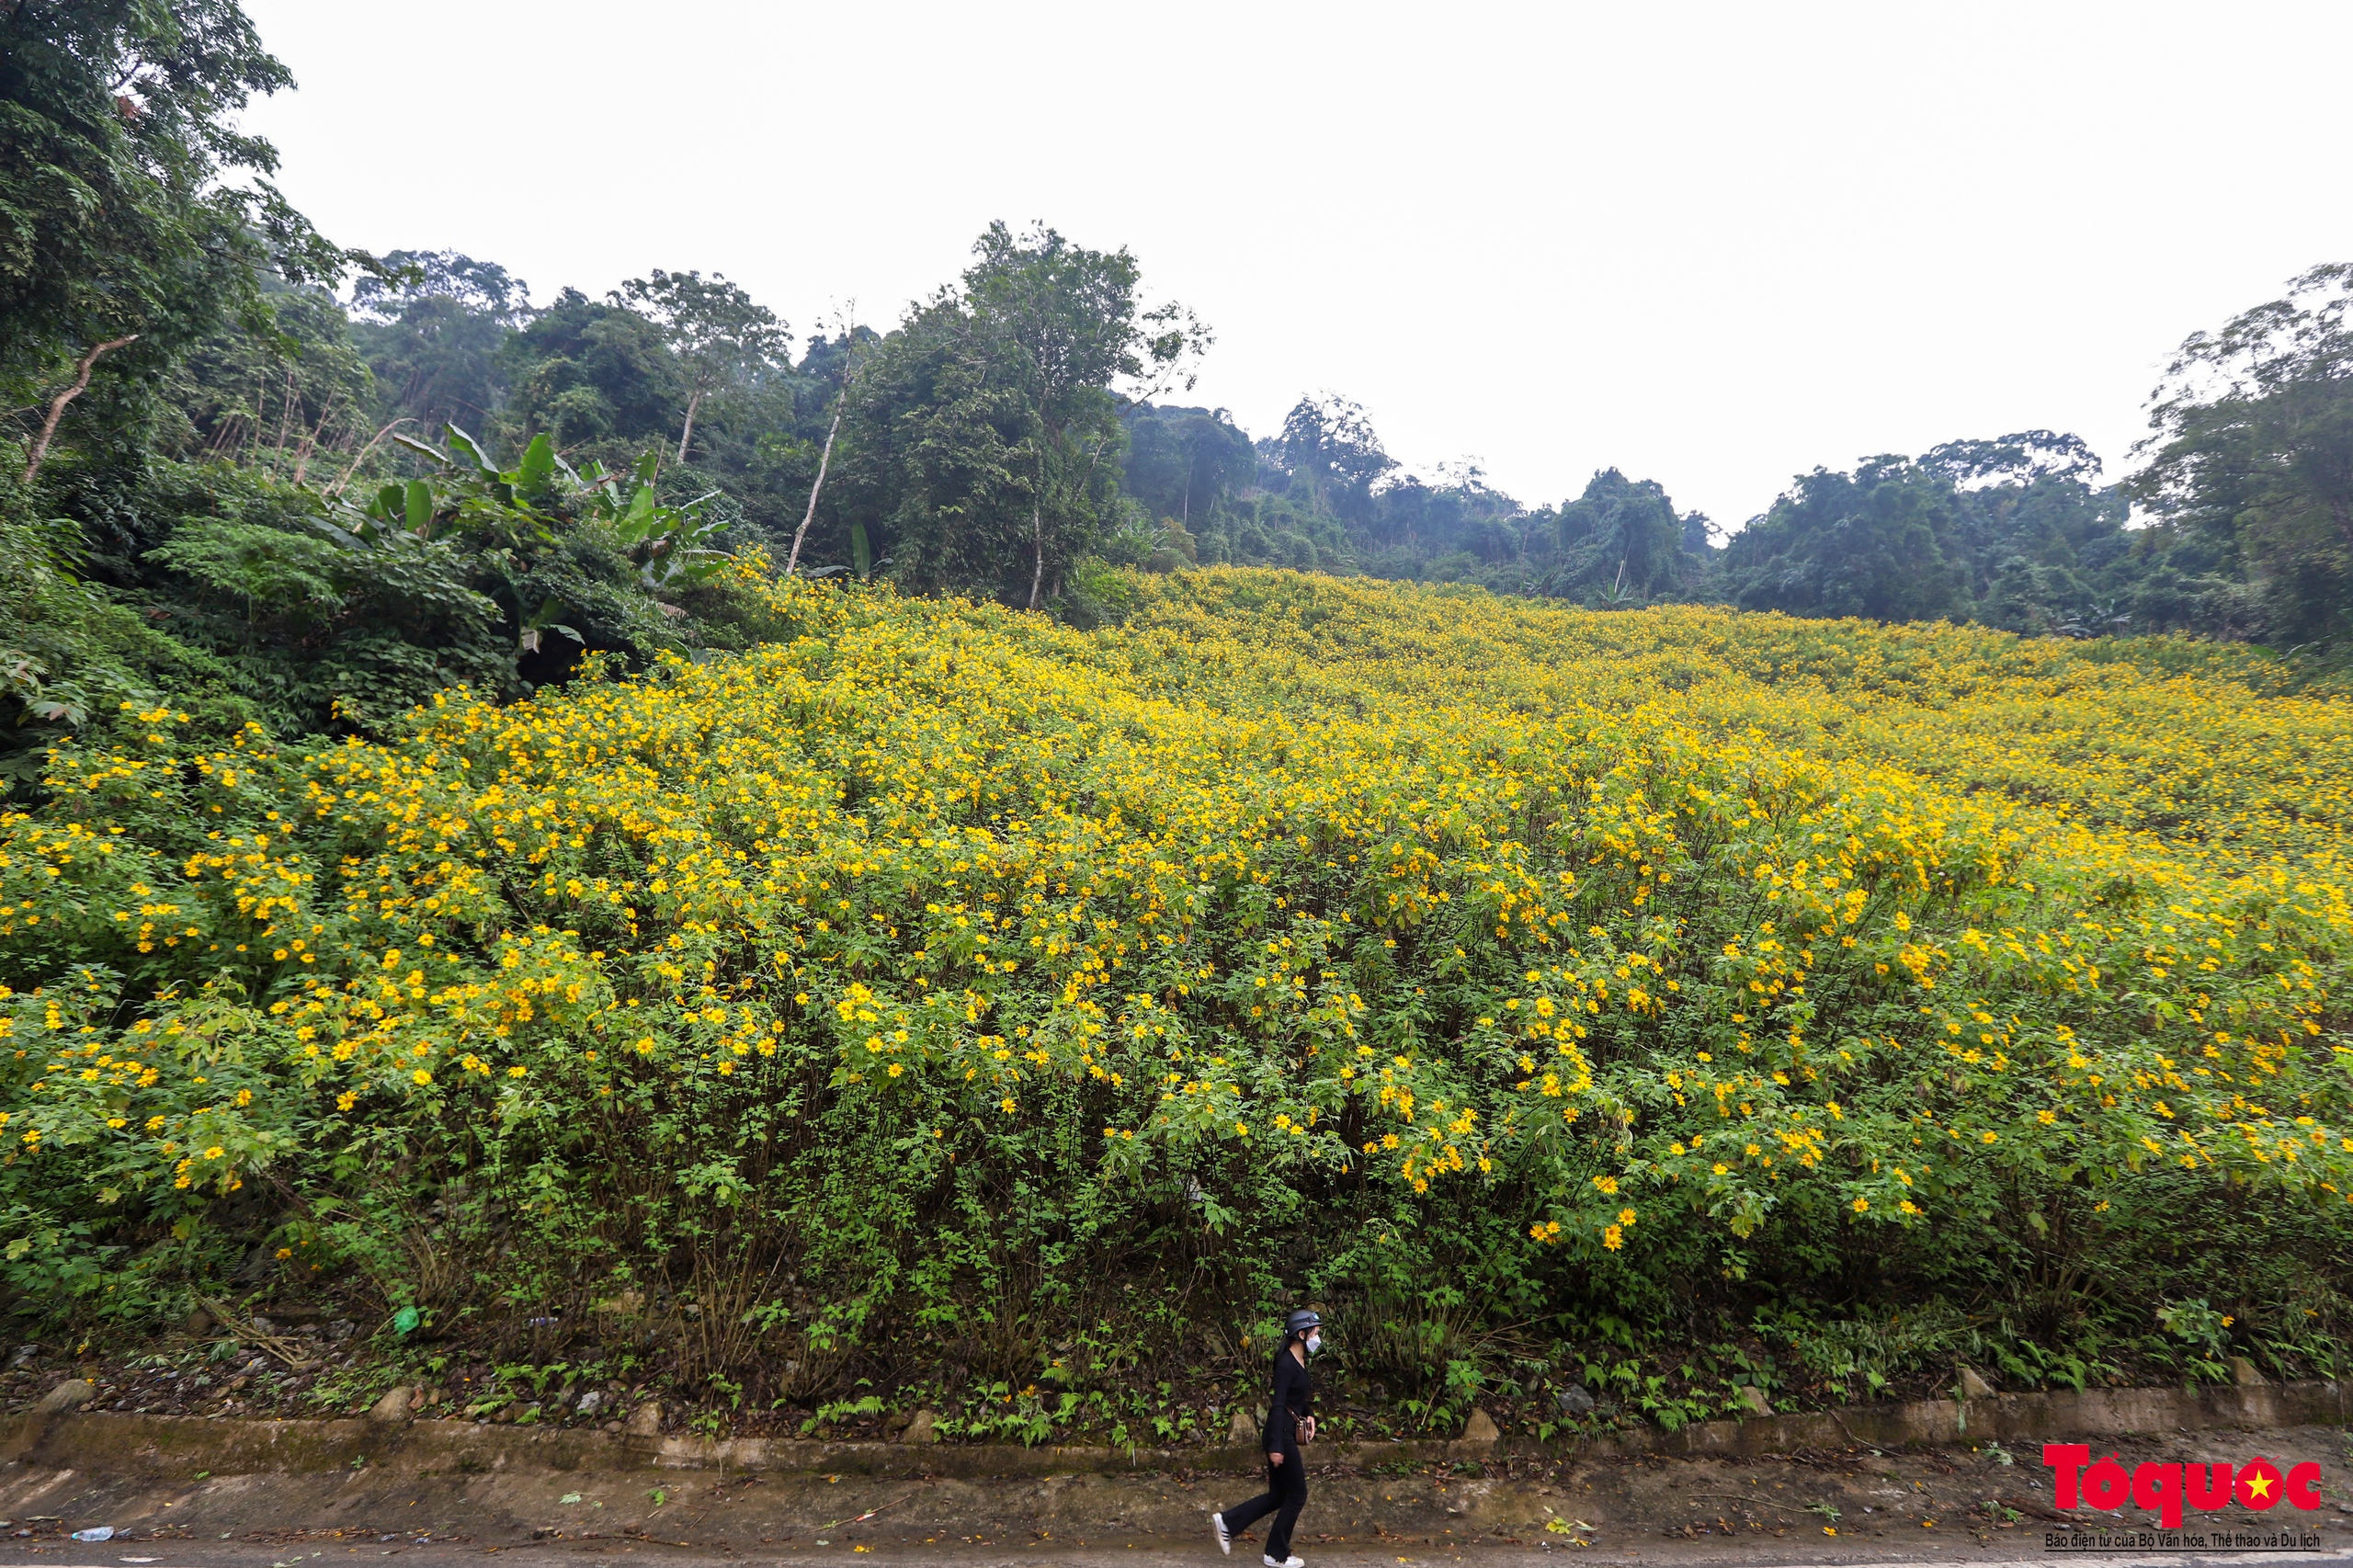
(262,471)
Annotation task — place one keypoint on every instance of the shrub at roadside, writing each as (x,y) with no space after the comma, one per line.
(935,989)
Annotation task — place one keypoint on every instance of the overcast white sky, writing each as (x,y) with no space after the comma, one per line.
(1714,246)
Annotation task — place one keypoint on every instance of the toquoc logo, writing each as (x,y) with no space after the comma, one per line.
(2077,1481)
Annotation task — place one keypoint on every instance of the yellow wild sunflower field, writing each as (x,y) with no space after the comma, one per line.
(937,966)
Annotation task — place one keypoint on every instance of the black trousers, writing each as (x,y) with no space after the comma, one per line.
(1285,1495)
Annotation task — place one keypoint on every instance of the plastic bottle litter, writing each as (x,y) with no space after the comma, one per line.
(104,1532)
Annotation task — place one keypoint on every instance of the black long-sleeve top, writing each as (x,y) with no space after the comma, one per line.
(1293,1401)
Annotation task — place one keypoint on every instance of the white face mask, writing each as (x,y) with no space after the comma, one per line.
(1315,1343)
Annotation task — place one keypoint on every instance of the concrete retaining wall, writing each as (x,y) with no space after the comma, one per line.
(106,1443)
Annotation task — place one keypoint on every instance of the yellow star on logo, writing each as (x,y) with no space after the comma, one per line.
(2260,1488)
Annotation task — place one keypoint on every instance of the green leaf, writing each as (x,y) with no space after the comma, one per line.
(472,448)
(538,465)
(640,509)
(418,507)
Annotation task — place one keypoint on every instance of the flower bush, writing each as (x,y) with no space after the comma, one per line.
(944,971)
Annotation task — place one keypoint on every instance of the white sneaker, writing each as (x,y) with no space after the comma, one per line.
(1224,1540)
(1284,1562)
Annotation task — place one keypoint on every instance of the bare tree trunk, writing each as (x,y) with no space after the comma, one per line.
(793,561)
(248,443)
(345,478)
(826,458)
(57,404)
(1037,530)
(1038,533)
(285,420)
(688,433)
(311,440)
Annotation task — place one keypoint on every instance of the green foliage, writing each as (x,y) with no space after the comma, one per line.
(70,652)
(595,377)
(295,396)
(1157,1024)
(433,330)
(2009,532)
(1178,456)
(116,127)
(2251,463)
(249,597)
(982,445)
(1875,543)
(1622,543)
(718,332)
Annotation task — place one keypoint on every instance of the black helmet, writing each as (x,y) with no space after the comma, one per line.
(1300,1322)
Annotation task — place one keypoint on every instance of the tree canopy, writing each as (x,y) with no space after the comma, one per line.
(2251,462)
(986,437)
(120,232)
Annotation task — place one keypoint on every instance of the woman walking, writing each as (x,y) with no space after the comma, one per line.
(1290,1421)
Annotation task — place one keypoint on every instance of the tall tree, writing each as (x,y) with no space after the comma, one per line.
(282,400)
(432,329)
(2252,453)
(718,333)
(1072,334)
(120,244)
(982,445)
(1181,461)
(1329,440)
(1621,541)
(846,365)
(1881,542)
(599,379)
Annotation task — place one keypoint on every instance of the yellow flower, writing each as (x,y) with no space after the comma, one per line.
(1279,787)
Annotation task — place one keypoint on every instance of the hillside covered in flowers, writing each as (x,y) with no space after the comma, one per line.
(1008,1015)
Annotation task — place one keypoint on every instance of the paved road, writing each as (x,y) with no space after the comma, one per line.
(316,1553)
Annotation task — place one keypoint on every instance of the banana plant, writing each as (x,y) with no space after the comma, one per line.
(1617,595)
(474,496)
(670,544)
